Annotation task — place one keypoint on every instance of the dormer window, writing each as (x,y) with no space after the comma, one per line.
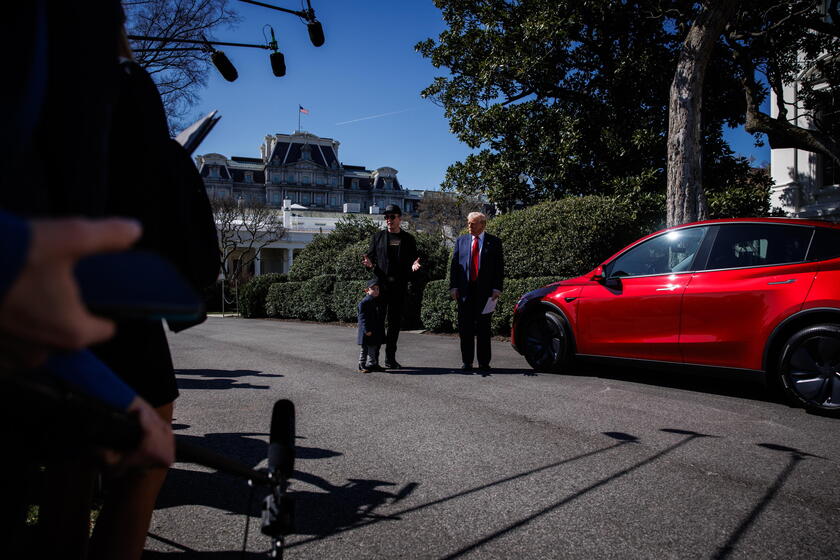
(389,184)
(249,176)
(214,172)
(306,154)
(354,184)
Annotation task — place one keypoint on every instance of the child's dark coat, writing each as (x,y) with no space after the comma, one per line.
(370,320)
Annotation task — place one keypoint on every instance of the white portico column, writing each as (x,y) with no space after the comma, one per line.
(289,259)
(257,260)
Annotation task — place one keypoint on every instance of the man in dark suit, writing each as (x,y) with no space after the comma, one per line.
(476,279)
(393,258)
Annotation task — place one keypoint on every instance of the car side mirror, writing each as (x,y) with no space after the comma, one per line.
(599,276)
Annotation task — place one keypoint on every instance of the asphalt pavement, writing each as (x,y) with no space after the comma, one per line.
(427,462)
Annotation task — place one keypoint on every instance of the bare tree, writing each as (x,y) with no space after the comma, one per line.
(244,230)
(445,213)
(179,74)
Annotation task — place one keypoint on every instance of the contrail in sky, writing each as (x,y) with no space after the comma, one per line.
(374,116)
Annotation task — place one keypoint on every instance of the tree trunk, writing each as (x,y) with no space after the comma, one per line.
(686,200)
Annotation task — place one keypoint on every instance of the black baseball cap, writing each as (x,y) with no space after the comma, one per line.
(373,282)
(393,209)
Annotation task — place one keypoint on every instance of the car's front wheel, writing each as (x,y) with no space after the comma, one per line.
(546,344)
(809,368)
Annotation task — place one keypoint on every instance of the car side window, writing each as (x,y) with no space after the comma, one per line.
(670,252)
(826,245)
(745,245)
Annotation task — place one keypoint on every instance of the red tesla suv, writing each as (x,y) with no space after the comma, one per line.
(760,295)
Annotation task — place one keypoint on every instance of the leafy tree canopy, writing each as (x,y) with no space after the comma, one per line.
(564,97)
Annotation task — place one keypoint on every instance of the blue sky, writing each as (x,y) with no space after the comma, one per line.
(362,88)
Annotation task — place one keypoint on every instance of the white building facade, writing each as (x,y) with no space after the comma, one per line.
(301,177)
(806,184)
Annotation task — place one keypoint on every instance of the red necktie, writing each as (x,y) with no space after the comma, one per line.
(474,268)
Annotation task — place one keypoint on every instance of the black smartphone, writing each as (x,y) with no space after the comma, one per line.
(136,285)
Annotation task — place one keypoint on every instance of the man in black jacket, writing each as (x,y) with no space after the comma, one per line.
(393,257)
(476,280)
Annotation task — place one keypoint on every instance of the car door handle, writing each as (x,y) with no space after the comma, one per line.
(791,281)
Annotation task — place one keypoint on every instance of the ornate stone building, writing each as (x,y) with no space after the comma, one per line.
(304,170)
(301,176)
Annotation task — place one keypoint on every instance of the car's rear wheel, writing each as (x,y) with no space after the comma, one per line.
(809,368)
(545,342)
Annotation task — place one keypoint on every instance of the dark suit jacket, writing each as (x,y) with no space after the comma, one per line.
(378,254)
(370,320)
(491,266)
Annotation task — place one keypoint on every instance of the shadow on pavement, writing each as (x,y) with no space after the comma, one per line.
(217,379)
(795,457)
(728,384)
(623,438)
(342,506)
(457,371)
(620,437)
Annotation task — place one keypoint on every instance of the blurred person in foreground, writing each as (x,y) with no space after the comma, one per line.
(59,145)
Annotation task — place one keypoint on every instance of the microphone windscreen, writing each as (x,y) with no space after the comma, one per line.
(281,449)
(316,33)
(224,65)
(278,64)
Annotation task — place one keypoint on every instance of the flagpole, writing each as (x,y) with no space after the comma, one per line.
(298,117)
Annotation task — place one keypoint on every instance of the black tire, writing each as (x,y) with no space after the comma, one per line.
(809,368)
(545,342)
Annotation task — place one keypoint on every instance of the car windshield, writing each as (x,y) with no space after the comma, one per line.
(667,253)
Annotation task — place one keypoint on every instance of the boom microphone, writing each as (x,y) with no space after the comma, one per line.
(278,64)
(224,65)
(281,446)
(316,32)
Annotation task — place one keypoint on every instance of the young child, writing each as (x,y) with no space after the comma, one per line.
(371,329)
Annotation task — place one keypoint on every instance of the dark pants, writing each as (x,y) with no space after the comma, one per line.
(474,330)
(391,297)
(369,355)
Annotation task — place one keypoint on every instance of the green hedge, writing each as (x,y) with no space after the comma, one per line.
(317,300)
(566,237)
(346,297)
(348,262)
(439,312)
(319,257)
(252,295)
(284,300)
(308,301)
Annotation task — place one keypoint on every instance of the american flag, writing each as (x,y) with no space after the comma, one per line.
(302,110)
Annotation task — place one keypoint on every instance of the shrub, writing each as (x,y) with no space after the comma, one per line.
(566,237)
(252,295)
(434,257)
(346,297)
(315,259)
(320,255)
(514,289)
(284,300)
(438,312)
(348,262)
(316,300)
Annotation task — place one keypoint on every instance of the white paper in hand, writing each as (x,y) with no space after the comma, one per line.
(490,306)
